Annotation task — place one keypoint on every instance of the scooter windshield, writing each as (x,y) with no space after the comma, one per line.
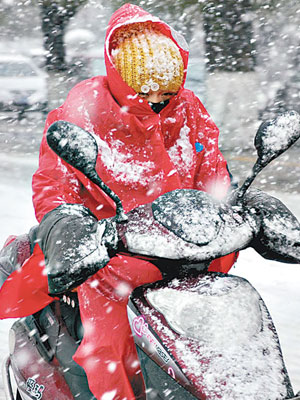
(199,312)
(190,214)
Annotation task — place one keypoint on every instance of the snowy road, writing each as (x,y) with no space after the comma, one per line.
(277,283)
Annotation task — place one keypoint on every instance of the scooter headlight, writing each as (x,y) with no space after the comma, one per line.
(220,312)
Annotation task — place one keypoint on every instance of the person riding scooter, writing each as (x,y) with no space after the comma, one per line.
(154,136)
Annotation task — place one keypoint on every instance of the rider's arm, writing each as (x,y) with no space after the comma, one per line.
(279,234)
(54,183)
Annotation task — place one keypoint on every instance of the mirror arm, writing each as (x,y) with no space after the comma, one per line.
(257,167)
(120,217)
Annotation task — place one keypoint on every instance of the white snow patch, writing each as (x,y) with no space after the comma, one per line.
(122,164)
(109,395)
(181,153)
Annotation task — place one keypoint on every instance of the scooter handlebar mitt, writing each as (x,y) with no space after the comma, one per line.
(75,245)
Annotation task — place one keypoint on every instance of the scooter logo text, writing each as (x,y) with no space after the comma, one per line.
(140,328)
(34,388)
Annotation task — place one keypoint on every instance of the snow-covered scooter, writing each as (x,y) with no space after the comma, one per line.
(199,335)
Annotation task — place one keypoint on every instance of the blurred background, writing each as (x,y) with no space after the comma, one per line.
(244,66)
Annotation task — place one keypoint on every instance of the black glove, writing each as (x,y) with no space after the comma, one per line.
(279,234)
(75,245)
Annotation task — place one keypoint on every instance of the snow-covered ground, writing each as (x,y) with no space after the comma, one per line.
(277,283)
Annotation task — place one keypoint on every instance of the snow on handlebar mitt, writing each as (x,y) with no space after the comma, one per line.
(75,245)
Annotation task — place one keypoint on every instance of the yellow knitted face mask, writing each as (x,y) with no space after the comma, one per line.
(147,60)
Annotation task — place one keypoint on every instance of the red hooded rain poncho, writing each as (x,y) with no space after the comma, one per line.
(141,156)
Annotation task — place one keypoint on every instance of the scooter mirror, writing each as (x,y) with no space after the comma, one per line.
(276,136)
(74,145)
(79,148)
(272,139)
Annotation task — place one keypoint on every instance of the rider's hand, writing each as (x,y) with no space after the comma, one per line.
(277,236)
(75,245)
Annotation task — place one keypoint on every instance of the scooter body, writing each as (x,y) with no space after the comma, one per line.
(199,335)
(207,331)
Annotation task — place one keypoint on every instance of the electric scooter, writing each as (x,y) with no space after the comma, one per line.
(199,334)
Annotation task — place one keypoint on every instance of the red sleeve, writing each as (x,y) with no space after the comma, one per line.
(54,182)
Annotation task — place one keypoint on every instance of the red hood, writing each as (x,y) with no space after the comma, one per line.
(125,95)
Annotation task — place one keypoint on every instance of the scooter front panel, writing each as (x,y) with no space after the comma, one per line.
(223,355)
(161,373)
